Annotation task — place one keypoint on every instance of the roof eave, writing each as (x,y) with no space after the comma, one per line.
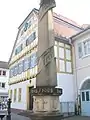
(73,38)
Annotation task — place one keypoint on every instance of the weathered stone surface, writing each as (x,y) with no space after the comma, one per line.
(45,5)
(44,91)
(46,96)
(46,116)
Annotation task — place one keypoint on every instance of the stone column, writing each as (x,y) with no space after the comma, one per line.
(46,96)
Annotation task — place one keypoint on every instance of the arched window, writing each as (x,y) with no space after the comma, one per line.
(86,85)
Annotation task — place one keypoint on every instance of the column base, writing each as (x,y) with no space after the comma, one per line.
(46,116)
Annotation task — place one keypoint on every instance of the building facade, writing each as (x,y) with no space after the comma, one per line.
(23,60)
(4,77)
(81,54)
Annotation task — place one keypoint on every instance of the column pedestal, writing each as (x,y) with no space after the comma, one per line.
(46,103)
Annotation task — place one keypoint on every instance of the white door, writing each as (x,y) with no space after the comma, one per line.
(85,102)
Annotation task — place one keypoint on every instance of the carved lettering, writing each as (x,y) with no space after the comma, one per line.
(46,91)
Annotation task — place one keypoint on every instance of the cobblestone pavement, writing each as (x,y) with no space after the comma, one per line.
(77,118)
(17,117)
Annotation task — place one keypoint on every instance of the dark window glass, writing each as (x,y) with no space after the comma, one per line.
(87,96)
(16,52)
(20,67)
(4,72)
(15,70)
(83,96)
(26,64)
(11,72)
(3,85)
(33,60)
(31,38)
(26,26)
(0,72)
(19,49)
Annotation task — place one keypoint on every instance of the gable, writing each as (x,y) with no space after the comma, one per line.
(24,31)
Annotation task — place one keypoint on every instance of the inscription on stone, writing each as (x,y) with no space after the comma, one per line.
(46,91)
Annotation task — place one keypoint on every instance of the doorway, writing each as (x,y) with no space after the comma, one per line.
(85,98)
(30,99)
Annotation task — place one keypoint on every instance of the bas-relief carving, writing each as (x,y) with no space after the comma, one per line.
(45,61)
(48,55)
(47,104)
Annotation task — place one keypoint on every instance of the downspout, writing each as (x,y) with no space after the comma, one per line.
(75,74)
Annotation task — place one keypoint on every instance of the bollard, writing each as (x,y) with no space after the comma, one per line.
(9,109)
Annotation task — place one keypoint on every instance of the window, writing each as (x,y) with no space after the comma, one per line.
(86,47)
(11,72)
(68,67)
(4,73)
(0,72)
(31,38)
(15,94)
(87,96)
(61,44)
(80,50)
(68,54)
(20,67)
(61,52)
(55,51)
(3,85)
(64,59)
(19,49)
(26,64)
(33,60)
(19,94)
(83,96)
(62,65)
(15,70)
(26,27)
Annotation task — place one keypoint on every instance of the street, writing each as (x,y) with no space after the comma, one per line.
(18,117)
(77,118)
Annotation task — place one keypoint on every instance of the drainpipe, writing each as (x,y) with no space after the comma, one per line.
(75,76)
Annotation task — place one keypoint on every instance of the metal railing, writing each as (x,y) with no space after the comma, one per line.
(67,108)
(5,110)
(3,106)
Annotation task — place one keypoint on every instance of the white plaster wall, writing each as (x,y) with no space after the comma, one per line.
(23,85)
(4,79)
(81,65)
(85,60)
(65,81)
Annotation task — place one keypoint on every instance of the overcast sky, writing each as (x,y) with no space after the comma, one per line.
(13,12)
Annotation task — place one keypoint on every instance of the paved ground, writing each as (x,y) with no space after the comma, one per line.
(17,117)
(77,118)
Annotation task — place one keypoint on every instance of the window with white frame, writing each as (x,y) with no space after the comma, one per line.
(84,48)
(63,57)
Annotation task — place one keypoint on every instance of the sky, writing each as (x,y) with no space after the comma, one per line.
(13,12)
